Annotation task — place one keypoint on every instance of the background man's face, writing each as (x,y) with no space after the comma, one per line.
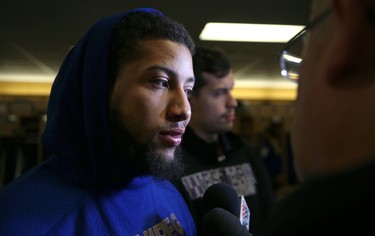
(214,107)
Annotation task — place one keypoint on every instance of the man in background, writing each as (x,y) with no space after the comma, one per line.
(333,132)
(212,152)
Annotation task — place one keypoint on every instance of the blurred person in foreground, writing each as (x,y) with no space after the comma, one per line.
(117,111)
(333,132)
(214,153)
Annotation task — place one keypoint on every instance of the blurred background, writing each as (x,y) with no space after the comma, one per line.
(35,36)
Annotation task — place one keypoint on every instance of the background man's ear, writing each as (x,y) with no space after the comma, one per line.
(352,40)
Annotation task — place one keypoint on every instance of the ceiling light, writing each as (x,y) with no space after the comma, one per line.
(242,32)
(27,78)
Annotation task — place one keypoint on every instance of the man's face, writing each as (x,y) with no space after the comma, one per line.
(213,109)
(333,119)
(314,117)
(149,101)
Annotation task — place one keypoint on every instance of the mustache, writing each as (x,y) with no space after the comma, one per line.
(173,126)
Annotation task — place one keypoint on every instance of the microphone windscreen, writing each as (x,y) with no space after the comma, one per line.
(219,222)
(224,196)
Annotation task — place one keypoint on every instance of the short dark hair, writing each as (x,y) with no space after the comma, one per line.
(138,26)
(209,60)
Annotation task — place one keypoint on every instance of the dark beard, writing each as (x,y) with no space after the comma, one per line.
(134,159)
(162,168)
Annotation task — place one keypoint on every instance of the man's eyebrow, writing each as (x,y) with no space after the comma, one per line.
(161,68)
(168,71)
(191,80)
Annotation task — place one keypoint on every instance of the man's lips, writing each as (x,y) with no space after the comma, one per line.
(172,137)
(230,117)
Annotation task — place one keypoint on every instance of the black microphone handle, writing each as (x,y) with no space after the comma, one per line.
(224,196)
(219,222)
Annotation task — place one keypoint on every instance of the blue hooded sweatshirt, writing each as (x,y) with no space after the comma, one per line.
(61,195)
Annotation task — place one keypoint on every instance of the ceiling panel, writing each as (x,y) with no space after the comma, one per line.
(36,35)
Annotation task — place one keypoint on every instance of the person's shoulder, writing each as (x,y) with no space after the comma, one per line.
(234,139)
(231,134)
(38,197)
(42,180)
(165,186)
(235,136)
(331,204)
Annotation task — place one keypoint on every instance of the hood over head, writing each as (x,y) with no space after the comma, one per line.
(77,129)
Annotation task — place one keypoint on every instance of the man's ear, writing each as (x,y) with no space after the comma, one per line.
(352,40)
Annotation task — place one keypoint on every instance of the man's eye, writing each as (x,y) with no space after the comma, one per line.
(188,92)
(162,82)
(165,83)
(221,92)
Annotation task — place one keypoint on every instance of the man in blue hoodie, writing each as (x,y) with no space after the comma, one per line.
(117,111)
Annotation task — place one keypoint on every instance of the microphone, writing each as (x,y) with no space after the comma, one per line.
(223,195)
(219,222)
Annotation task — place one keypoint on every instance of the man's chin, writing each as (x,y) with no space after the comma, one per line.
(166,165)
(141,159)
(167,154)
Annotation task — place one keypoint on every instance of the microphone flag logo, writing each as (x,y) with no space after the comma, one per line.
(244,213)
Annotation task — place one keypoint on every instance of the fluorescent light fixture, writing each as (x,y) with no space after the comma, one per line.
(26,78)
(241,32)
(265,83)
